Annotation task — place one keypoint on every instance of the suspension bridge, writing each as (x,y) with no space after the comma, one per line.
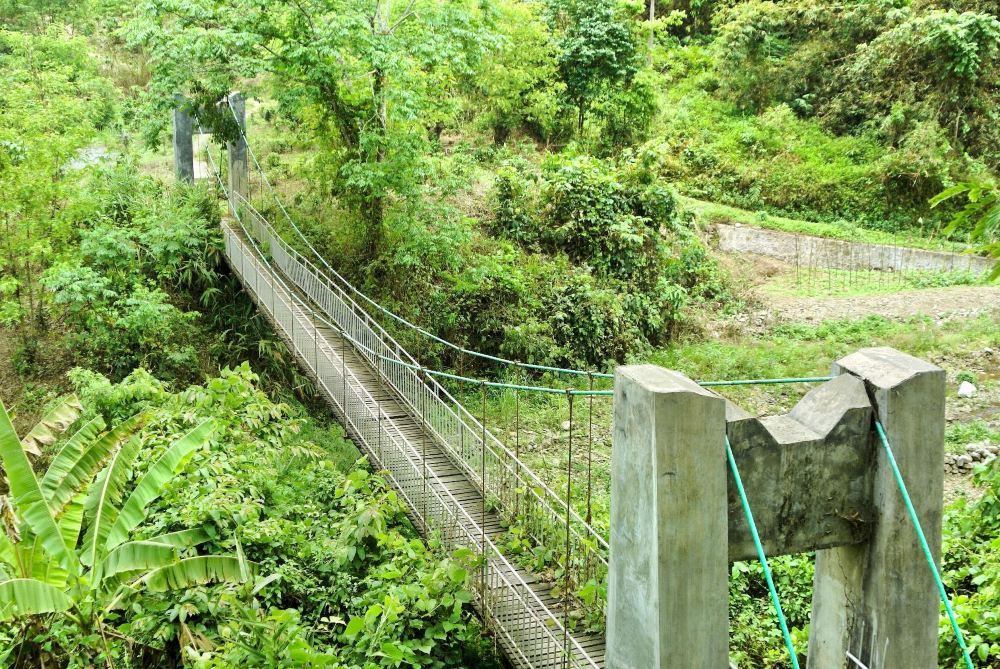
(462,485)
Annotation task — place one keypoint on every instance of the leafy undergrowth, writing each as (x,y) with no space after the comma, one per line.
(972,571)
(341,577)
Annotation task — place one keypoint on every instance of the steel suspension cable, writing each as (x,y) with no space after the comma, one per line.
(534,479)
(761,556)
(379,307)
(485,356)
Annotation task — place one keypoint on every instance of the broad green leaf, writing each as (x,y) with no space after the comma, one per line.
(27,597)
(193,571)
(183,538)
(54,423)
(104,495)
(150,486)
(354,627)
(47,570)
(71,451)
(137,556)
(27,496)
(82,471)
(264,582)
(7,552)
(393,651)
(949,193)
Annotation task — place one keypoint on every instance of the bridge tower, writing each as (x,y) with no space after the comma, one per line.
(817,479)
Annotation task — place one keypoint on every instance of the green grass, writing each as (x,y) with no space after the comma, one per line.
(808,282)
(959,435)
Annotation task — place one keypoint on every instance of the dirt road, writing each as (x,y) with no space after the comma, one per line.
(968,301)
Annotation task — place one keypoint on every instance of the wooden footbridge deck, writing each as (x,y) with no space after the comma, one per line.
(437,456)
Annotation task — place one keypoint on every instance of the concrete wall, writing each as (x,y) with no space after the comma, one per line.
(839,254)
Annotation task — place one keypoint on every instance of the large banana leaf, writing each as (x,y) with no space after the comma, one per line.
(54,423)
(70,452)
(27,496)
(192,571)
(137,556)
(46,569)
(27,596)
(150,486)
(100,508)
(183,538)
(7,556)
(68,475)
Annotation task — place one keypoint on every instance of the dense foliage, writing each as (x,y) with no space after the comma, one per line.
(504,173)
(918,79)
(52,101)
(340,577)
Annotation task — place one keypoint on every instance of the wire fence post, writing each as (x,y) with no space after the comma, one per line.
(423,447)
(517,450)
(482,518)
(590,444)
(378,407)
(567,569)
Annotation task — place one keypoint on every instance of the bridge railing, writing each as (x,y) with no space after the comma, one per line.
(517,493)
(507,602)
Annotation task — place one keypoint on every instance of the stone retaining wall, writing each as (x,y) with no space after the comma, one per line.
(839,254)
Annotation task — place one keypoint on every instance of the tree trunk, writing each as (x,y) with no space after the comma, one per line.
(652,40)
(373,214)
(579,121)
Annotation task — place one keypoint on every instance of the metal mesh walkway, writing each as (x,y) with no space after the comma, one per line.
(427,449)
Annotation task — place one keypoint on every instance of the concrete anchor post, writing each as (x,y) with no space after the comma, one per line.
(239,173)
(877,600)
(668,591)
(183,143)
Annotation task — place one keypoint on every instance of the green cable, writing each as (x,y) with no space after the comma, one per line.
(760,555)
(737,382)
(924,545)
(758,382)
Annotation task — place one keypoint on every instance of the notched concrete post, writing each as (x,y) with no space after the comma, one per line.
(877,599)
(183,142)
(239,173)
(668,591)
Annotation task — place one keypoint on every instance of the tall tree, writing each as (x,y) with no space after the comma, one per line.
(362,67)
(597,51)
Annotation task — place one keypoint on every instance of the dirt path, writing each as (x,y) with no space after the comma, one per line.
(968,301)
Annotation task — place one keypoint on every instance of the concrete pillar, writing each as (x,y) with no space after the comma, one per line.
(238,168)
(877,600)
(668,590)
(183,143)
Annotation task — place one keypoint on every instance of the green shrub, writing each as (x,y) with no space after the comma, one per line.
(342,574)
(971,566)
(627,114)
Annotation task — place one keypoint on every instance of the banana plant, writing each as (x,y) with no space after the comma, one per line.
(54,423)
(46,566)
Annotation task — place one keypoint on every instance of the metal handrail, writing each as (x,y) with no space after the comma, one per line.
(501,584)
(498,451)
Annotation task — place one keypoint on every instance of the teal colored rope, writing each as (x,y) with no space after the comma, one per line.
(763,558)
(737,382)
(924,545)
(760,382)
